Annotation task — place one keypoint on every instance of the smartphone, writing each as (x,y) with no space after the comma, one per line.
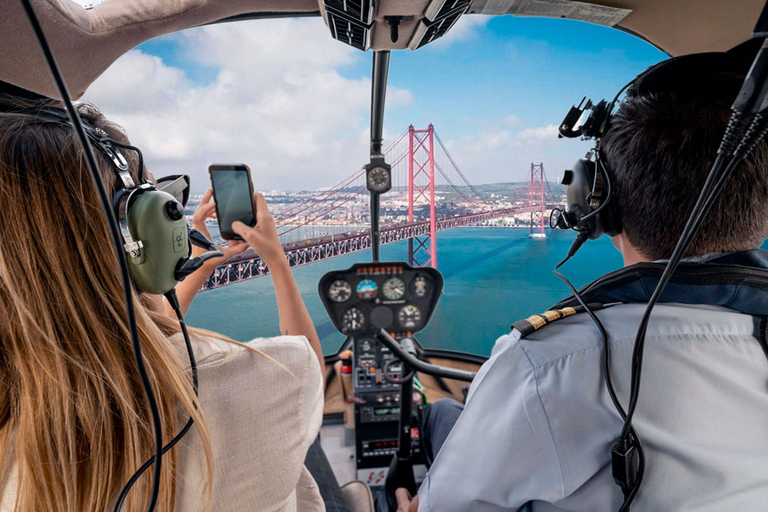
(233,194)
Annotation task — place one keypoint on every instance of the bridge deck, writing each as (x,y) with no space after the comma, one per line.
(248,265)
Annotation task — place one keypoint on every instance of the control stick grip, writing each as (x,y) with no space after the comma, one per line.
(408,346)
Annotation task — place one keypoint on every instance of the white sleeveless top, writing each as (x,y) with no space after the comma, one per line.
(262,416)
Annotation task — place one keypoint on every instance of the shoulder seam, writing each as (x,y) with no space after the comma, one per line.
(549,425)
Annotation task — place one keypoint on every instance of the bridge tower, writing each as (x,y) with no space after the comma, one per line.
(536,199)
(422,250)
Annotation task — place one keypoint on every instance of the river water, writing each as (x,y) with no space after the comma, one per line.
(493,277)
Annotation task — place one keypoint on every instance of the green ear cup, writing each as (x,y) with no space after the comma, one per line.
(162,230)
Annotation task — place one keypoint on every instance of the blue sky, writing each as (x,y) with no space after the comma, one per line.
(282,95)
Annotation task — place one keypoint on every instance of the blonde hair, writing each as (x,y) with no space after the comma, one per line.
(73,413)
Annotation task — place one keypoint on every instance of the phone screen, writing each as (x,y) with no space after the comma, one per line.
(234,197)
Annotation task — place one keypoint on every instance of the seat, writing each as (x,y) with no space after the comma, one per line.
(358,496)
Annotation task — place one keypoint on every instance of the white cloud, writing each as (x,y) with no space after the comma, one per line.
(277,100)
(535,135)
(513,121)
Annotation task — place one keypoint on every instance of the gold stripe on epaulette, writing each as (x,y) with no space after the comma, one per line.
(535,322)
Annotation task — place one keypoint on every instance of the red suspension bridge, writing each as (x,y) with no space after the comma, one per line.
(429,193)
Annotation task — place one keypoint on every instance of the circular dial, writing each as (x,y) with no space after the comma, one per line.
(378,179)
(409,317)
(367,289)
(420,287)
(352,320)
(394,288)
(340,291)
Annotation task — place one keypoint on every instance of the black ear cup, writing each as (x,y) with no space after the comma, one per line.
(610,215)
(590,209)
(579,182)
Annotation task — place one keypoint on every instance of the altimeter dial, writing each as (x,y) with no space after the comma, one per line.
(352,320)
(394,288)
(409,317)
(340,291)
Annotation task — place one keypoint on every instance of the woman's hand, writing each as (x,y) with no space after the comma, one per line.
(188,288)
(207,210)
(263,237)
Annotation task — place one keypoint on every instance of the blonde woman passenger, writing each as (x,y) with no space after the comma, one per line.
(74,421)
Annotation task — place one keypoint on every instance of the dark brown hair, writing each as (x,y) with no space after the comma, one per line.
(660,147)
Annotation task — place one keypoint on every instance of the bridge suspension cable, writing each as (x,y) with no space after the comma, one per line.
(458,170)
(320,200)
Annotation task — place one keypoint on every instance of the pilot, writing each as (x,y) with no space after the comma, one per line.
(538,426)
(74,420)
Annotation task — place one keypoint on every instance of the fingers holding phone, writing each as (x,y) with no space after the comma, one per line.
(243,214)
(263,236)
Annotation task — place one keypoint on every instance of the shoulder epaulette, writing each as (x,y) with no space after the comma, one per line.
(535,322)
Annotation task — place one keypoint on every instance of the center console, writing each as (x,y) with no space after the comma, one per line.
(361,301)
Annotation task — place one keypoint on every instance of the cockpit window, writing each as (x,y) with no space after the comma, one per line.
(478,110)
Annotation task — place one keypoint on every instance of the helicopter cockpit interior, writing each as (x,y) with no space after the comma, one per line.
(381,379)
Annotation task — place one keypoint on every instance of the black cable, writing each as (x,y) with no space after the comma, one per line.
(630,493)
(116,241)
(580,239)
(174,302)
(609,189)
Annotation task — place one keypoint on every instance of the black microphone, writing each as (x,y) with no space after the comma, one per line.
(200,240)
(188,266)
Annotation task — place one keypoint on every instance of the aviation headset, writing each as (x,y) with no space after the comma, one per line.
(157,240)
(591,209)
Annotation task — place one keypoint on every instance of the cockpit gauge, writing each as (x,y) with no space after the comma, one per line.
(409,317)
(367,289)
(394,288)
(340,291)
(352,320)
(420,287)
(378,175)
(379,179)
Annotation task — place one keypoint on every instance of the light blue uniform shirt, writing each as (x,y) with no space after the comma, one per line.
(538,426)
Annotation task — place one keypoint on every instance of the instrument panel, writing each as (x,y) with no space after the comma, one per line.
(389,295)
